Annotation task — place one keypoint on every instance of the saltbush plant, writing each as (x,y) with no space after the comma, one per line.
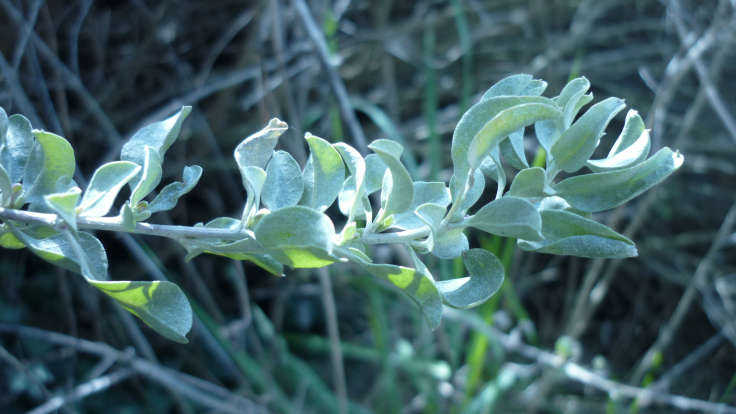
(283,223)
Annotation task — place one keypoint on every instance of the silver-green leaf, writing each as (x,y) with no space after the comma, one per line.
(509,217)
(578,142)
(159,304)
(324,180)
(486,277)
(103,188)
(17,144)
(398,190)
(602,191)
(149,178)
(65,204)
(284,185)
(170,194)
(297,236)
(158,135)
(567,233)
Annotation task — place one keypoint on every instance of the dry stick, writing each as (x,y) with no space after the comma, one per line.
(704,77)
(703,351)
(11,360)
(338,87)
(581,374)
(296,147)
(587,302)
(71,79)
(701,272)
(338,367)
(641,212)
(16,91)
(196,389)
(84,390)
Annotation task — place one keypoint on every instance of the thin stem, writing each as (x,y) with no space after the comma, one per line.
(397,237)
(114,224)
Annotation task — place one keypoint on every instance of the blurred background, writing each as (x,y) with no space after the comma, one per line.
(653,334)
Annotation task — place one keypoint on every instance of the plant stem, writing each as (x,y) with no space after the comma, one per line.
(114,224)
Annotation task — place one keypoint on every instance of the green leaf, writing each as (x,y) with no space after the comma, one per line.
(513,150)
(357,167)
(6,188)
(577,143)
(297,236)
(58,249)
(570,96)
(475,191)
(397,191)
(471,123)
(503,124)
(158,135)
(160,304)
(631,133)
(18,143)
(530,183)
(567,233)
(602,191)
(631,156)
(520,84)
(450,244)
(150,177)
(65,204)
(256,150)
(8,239)
(103,188)
(57,164)
(324,180)
(509,217)
(631,147)
(170,194)
(253,178)
(245,249)
(3,125)
(418,286)
(127,217)
(435,193)
(375,170)
(284,185)
(486,277)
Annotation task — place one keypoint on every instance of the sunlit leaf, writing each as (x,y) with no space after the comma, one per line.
(160,304)
(297,236)
(417,285)
(53,161)
(65,204)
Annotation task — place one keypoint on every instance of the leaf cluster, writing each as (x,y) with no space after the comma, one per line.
(283,221)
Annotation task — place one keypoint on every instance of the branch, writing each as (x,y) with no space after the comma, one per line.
(196,389)
(579,373)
